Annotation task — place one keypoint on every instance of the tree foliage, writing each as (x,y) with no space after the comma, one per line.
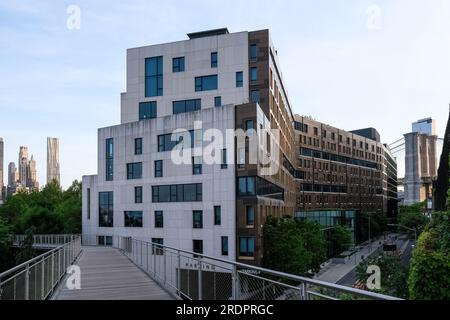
(394,276)
(293,246)
(341,238)
(48,211)
(429,278)
(413,216)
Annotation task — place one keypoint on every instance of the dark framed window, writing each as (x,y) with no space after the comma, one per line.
(133,219)
(206,83)
(254,96)
(250,215)
(166,142)
(157,248)
(197,219)
(137,194)
(178,64)
(134,170)
(154,77)
(159,219)
(217,101)
(213,59)
(246,246)
(106,209)
(217,215)
(196,165)
(110,159)
(253,74)
(224,246)
(88,204)
(147,110)
(197,246)
(224,163)
(177,193)
(138,146)
(247,186)
(186,106)
(249,125)
(158,168)
(253,52)
(239,79)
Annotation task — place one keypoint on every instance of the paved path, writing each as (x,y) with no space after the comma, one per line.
(334,272)
(106,274)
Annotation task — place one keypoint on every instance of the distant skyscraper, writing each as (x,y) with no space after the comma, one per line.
(425,126)
(23,164)
(1,167)
(12,174)
(53,160)
(32,182)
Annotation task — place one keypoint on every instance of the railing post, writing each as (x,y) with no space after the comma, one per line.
(154,259)
(42,278)
(27,283)
(200,293)
(53,269)
(146,254)
(179,272)
(165,262)
(235,283)
(141,254)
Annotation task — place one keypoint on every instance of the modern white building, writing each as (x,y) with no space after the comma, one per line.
(226,82)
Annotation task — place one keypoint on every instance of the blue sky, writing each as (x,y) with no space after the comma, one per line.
(52,77)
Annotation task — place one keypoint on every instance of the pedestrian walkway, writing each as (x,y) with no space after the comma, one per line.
(333,272)
(106,274)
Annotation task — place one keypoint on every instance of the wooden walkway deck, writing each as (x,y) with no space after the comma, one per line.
(106,274)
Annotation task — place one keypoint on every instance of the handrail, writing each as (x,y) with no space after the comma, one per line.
(238,269)
(36,278)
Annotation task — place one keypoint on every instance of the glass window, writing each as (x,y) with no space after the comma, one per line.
(197,219)
(217,215)
(134,170)
(177,193)
(224,164)
(239,79)
(247,186)
(109,159)
(250,216)
(196,165)
(154,77)
(246,246)
(186,106)
(255,96)
(137,194)
(217,101)
(206,83)
(224,246)
(138,146)
(133,219)
(213,59)
(159,219)
(157,248)
(158,168)
(253,52)
(197,246)
(178,64)
(147,110)
(253,74)
(106,209)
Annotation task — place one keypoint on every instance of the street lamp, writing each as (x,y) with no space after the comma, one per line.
(404,227)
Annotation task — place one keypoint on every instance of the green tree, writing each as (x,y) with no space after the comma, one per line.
(429,278)
(341,238)
(413,217)
(293,246)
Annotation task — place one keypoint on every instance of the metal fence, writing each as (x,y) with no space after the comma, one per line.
(196,276)
(36,279)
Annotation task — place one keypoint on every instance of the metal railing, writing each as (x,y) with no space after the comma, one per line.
(43,240)
(195,276)
(36,278)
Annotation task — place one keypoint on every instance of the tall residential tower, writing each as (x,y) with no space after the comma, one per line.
(53,173)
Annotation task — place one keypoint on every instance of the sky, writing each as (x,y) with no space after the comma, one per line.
(349,63)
